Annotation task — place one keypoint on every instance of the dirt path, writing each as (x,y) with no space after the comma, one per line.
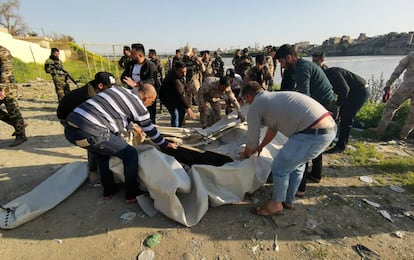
(326,224)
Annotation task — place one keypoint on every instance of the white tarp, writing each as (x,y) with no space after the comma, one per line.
(43,197)
(185,196)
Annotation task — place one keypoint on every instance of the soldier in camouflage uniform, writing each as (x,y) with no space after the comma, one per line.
(194,66)
(207,67)
(8,96)
(212,90)
(54,67)
(218,65)
(403,93)
(245,62)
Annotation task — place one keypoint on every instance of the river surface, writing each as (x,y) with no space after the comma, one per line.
(366,66)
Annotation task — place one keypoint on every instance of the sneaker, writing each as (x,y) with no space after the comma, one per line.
(19,140)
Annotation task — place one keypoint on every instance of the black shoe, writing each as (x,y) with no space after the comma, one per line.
(18,140)
(335,149)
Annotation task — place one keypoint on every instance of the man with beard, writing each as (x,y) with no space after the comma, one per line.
(312,81)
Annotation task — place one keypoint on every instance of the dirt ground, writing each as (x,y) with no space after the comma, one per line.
(326,224)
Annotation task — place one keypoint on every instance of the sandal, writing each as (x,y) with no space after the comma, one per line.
(264,211)
(287,206)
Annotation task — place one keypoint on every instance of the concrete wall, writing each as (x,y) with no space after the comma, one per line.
(21,49)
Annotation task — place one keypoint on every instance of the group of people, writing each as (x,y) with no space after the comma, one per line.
(314,98)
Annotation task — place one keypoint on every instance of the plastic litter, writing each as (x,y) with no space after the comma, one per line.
(396,188)
(365,252)
(128,216)
(146,255)
(386,215)
(374,204)
(152,240)
(366,179)
(275,245)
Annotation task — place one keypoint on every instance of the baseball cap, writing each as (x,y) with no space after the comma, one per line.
(106,78)
(230,73)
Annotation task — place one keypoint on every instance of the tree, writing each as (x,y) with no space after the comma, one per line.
(10,19)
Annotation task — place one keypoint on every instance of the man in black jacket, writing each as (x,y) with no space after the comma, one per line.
(352,94)
(139,72)
(172,94)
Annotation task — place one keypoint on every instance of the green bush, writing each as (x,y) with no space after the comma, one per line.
(371,113)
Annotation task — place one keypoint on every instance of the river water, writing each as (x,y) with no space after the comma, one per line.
(365,66)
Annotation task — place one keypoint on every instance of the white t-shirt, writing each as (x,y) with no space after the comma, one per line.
(136,73)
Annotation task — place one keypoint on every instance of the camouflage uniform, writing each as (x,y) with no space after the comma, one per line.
(262,76)
(13,116)
(207,69)
(271,68)
(218,67)
(192,77)
(403,93)
(210,93)
(54,67)
(245,63)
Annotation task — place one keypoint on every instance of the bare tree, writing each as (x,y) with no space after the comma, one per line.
(10,19)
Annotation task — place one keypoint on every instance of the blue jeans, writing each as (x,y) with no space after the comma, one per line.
(103,146)
(289,163)
(177,115)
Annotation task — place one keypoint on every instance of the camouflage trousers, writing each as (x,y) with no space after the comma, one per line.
(207,119)
(61,87)
(403,93)
(13,116)
(191,92)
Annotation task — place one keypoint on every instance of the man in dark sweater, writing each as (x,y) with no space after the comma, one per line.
(172,94)
(352,94)
(73,99)
(312,81)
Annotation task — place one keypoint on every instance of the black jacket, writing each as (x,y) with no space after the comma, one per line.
(148,72)
(172,91)
(344,82)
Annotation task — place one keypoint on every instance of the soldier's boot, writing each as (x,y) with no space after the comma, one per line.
(24,124)
(19,140)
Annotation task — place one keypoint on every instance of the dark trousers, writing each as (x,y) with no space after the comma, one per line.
(354,102)
(103,145)
(153,111)
(177,115)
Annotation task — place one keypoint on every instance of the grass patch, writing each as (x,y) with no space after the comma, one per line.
(389,170)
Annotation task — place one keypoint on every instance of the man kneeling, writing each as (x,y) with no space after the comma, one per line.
(96,124)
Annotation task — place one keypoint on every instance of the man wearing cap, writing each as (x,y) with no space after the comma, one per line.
(259,73)
(172,95)
(54,67)
(311,81)
(73,99)
(236,82)
(211,91)
(140,71)
(309,127)
(124,60)
(218,65)
(96,124)
(245,62)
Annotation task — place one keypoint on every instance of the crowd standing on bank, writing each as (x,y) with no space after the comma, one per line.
(315,96)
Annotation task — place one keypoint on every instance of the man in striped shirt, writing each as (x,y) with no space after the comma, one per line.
(95,126)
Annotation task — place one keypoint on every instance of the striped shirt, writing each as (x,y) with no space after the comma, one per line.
(114,109)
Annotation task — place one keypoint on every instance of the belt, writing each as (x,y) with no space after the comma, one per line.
(318,131)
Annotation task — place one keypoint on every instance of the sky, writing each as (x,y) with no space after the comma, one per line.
(166,25)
